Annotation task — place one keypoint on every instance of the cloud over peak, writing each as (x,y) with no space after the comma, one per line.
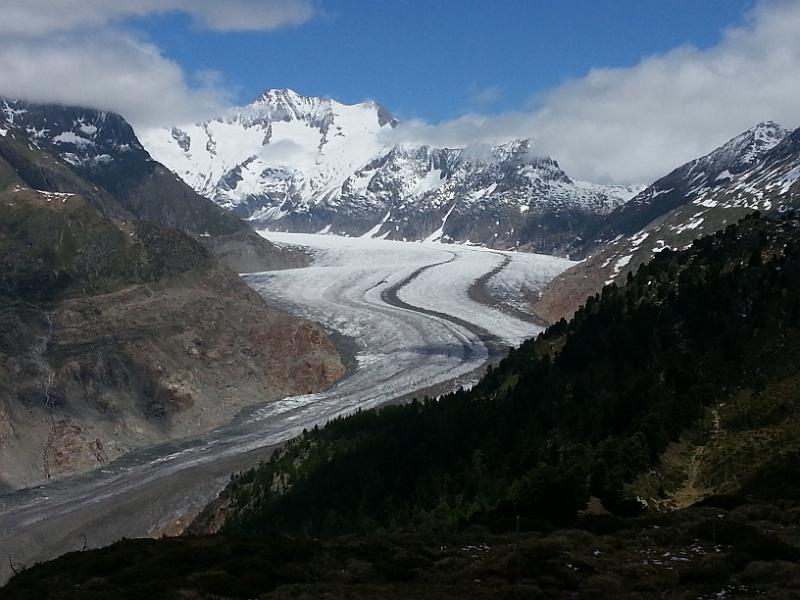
(626,125)
(632,125)
(79,52)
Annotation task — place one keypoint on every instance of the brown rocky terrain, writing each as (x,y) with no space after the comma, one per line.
(121,334)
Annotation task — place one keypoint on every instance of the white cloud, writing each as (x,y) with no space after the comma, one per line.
(484,95)
(635,124)
(109,71)
(41,17)
(78,52)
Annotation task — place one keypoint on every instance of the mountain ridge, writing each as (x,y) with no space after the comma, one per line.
(102,148)
(712,170)
(755,171)
(118,333)
(294,163)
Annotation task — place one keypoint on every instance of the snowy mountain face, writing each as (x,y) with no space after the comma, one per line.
(773,184)
(503,197)
(766,179)
(295,163)
(102,149)
(758,170)
(697,178)
(282,147)
(84,138)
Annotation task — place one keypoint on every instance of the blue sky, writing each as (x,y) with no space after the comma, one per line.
(436,60)
(616,91)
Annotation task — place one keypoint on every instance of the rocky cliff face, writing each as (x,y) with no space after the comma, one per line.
(120,333)
(95,377)
(295,163)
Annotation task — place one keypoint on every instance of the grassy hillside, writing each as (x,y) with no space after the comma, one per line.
(56,245)
(704,552)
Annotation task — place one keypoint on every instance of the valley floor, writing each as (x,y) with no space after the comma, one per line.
(410,309)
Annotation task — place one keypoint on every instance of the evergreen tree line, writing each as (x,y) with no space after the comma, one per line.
(579,411)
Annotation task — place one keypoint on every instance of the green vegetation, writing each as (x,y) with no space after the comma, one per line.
(51,249)
(583,410)
(686,377)
(744,551)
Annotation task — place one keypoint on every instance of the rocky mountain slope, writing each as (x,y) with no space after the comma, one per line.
(696,178)
(525,485)
(297,163)
(123,180)
(757,170)
(117,333)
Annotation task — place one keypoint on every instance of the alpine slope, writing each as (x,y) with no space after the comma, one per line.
(412,325)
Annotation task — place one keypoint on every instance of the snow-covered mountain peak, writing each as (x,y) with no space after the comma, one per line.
(281,144)
(728,167)
(748,147)
(514,151)
(512,159)
(286,104)
(282,96)
(734,157)
(305,163)
(768,130)
(519,149)
(84,137)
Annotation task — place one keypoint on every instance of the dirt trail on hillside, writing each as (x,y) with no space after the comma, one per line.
(692,490)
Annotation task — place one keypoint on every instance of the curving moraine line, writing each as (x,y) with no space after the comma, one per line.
(479,292)
(493,344)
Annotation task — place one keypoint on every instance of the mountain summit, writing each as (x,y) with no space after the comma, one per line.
(286,104)
(281,147)
(685,183)
(302,163)
(758,170)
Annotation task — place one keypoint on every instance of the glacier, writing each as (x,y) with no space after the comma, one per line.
(417,330)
